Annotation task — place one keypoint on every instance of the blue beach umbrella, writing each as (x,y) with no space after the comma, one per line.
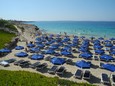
(98,46)
(83,64)
(108,45)
(107,41)
(55,46)
(75,36)
(112,48)
(37,57)
(82,49)
(96,41)
(34,49)
(82,37)
(86,55)
(50,42)
(112,39)
(38,39)
(110,67)
(21,54)
(99,51)
(67,48)
(49,51)
(66,53)
(106,57)
(40,45)
(51,36)
(5,50)
(112,52)
(58,61)
(30,45)
(72,45)
(101,38)
(66,39)
(92,37)
(19,47)
(75,39)
(58,39)
(60,44)
(58,35)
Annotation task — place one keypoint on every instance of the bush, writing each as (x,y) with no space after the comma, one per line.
(7,24)
(5,37)
(11,27)
(3,23)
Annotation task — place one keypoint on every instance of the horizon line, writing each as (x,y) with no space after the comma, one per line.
(71,20)
(63,20)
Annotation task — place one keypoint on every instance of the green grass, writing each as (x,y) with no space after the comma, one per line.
(24,78)
(5,37)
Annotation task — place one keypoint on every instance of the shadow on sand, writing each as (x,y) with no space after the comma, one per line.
(94,79)
(66,75)
(45,70)
(95,66)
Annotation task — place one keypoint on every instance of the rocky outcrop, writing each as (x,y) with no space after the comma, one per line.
(13,43)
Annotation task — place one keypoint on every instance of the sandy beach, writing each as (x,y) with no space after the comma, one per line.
(71,69)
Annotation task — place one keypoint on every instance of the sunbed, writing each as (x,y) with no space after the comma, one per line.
(48,58)
(18,62)
(4,63)
(101,65)
(69,61)
(105,78)
(25,64)
(96,58)
(41,66)
(53,69)
(112,79)
(87,74)
(10,60)
(60,70)
(29,56)
(34,65)
(78,74)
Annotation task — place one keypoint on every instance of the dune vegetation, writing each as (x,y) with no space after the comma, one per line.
(5,37)
(24,78)
(7,24)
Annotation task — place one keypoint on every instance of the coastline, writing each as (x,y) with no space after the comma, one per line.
(28,34)
(78,28)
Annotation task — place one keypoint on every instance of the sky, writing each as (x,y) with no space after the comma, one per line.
(57,10)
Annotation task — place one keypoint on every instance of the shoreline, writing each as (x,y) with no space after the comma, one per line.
(78,30)
(71,69)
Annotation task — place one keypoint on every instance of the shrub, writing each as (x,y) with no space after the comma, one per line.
(7,24)
(5,37)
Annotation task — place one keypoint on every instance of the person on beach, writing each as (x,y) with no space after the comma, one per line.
(31,42)
(26,42)
(26,50)
(60,33)
(65,33)
(46,37)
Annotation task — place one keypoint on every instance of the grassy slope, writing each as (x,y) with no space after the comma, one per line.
(5,37)
(24,78)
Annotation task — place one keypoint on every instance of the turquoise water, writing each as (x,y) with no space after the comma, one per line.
(80,28)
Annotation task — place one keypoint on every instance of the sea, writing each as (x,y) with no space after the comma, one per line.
(104,29)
